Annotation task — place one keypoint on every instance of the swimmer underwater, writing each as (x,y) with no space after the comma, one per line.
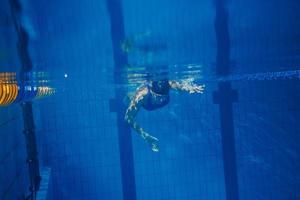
(154,95)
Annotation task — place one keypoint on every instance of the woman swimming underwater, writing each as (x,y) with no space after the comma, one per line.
(154,95)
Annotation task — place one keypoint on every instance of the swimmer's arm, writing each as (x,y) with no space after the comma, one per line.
(133,109)
(187,86)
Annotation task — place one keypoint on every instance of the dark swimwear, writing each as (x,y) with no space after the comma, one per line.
(157,97)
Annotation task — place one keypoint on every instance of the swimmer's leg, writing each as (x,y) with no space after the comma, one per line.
(151,140)
(131,113)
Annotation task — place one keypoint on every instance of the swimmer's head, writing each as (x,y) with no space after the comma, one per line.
(161,86)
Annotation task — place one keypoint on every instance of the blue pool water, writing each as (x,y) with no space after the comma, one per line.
(237,140)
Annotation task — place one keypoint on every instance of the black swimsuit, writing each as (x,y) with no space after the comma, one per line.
(154,100)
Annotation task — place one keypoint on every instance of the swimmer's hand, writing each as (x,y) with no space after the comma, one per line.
(152,141)
(197,89)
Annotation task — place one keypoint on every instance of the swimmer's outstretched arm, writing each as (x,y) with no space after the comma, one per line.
(187,86)
(131,113)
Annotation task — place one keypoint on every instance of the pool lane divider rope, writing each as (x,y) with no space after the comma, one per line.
(11,92)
